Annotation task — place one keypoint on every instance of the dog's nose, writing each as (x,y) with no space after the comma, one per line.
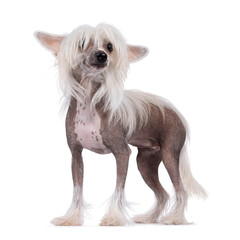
(101,56)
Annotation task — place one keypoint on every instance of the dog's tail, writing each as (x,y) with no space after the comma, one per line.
(193,188)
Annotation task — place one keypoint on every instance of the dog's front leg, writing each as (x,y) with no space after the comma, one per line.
(74,215)
(116,214)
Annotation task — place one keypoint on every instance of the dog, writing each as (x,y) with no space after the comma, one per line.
(104,118)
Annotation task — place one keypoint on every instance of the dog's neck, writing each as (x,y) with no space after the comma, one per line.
(90,83)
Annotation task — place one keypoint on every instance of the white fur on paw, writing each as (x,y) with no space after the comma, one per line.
(144,218)
(67,221)
(173,220)
(112,221)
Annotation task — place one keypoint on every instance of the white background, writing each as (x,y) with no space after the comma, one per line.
(194,62)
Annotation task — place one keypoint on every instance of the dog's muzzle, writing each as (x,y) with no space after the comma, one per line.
(101,56)
(99,59)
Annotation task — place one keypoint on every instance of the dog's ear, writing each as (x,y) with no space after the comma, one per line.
(51,42)
(136,53)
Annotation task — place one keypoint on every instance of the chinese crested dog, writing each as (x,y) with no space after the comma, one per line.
(105,118)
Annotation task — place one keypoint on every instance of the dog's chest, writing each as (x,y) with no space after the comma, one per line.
(87,128)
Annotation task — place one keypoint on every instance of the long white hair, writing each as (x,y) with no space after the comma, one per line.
(129,107)
(112,88)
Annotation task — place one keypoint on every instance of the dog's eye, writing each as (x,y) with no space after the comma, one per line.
(81,44)
(109,47)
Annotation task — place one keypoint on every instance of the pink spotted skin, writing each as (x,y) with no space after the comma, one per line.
(87,129)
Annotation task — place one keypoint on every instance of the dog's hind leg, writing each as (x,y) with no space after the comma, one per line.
(148,161)
(170,154)
(74,215)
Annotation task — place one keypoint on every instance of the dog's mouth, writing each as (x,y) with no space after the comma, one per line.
(93,67)
(99,65)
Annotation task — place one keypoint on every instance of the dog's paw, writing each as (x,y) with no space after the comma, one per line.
(173,220)
(112,221)
(144,218)
(67,221)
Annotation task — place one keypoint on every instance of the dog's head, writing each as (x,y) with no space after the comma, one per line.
(89,54)
(92,51)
